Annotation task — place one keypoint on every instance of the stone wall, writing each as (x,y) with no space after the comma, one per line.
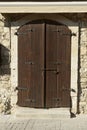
(83,69)
(8,80)
(5,91)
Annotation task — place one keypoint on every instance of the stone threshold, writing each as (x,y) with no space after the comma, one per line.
(33,113)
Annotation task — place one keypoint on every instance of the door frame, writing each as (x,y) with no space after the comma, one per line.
(74,53)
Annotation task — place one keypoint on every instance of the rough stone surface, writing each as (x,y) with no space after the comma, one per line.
(83,69)
(5,93)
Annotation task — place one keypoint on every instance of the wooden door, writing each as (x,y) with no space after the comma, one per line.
(58,50)
(30,62)
(44,65)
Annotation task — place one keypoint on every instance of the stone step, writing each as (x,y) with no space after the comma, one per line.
(32,113)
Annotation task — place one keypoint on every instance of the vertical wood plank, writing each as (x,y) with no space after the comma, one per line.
(65,59)
(51,56)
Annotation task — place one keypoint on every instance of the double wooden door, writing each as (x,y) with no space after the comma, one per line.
(44,65)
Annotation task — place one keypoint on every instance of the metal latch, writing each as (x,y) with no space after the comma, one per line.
(48,69)
(51,69)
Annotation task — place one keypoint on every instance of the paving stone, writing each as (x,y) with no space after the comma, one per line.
(11,123)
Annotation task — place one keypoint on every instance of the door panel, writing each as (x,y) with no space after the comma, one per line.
(37,76)
(22,75)
(58,61)
(44,49)
(31,59)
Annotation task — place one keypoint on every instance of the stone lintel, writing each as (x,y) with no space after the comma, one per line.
(43,7)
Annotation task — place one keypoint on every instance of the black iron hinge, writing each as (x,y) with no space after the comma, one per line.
(24,33)
(21,88)
(64,33)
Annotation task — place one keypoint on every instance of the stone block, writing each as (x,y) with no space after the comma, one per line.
(83,50)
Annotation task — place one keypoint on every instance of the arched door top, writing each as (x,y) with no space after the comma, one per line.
(47,21)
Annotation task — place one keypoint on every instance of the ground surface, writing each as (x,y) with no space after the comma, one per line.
(13,123)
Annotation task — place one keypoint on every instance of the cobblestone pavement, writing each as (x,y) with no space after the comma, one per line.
(12,123)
